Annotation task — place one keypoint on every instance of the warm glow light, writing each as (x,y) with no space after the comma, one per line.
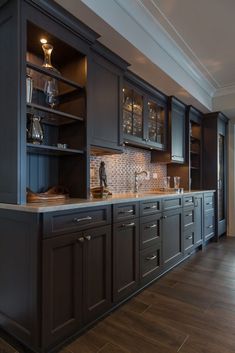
(43,40)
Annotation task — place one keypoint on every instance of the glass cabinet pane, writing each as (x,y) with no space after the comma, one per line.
(156,121)
(132,113)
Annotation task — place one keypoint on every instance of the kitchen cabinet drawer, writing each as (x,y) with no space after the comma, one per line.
(79,219)
(150,207)
(188,217)
(172,202)
(189,239)
(209,202)
(209,225)
(125,211)
(150,230)
(188,201)
(150,263)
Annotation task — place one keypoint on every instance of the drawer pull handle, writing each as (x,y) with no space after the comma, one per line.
(152,226)
(188,201)
(129,211)
(151,258)
(150,207)
(209,203)
(189,215)
(77,220)
(81,240)
(87,237)
(164,217)
(210,226)
(190,237)
(126,225)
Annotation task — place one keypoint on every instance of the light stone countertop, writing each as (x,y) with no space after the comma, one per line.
(71,204)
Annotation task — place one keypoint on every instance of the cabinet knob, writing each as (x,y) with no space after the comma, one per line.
(164,217)
(81,240)
(87,237)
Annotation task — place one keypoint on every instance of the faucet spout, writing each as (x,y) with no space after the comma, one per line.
(136,187)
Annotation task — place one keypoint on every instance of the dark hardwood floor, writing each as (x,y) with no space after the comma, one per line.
(189,310)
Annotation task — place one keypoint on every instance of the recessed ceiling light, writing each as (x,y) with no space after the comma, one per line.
(43,40)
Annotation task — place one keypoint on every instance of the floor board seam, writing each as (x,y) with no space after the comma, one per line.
(185,340)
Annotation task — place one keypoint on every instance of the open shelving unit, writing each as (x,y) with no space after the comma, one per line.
(63,123)
(195,133)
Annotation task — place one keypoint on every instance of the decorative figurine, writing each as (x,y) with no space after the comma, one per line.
(102,175)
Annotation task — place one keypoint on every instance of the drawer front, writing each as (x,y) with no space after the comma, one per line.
(150,230)
(188,201)
(189,217)
(171,203)
(125,211)
(150,263)
(209,225)
(150,207)
(76,220)
(188,239)
(209,202)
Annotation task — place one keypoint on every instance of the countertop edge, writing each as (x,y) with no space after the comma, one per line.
(83,203)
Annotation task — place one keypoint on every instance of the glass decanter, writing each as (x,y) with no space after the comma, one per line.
(35,132)
(51,85)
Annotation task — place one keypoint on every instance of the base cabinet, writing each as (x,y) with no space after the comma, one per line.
(172,237)
(76,281)
(125,258)
(198,219)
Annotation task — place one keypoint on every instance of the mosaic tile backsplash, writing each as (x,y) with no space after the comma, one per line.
(120,169)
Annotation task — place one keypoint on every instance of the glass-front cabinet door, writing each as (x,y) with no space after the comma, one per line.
(156,124)
(133,106)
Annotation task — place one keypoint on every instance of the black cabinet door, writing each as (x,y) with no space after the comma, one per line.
(198,219)
(97,277)
(63,261)
(172,237)
(177,131)
(104,104)
(125,258)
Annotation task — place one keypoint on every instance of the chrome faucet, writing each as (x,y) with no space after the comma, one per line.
(136,187)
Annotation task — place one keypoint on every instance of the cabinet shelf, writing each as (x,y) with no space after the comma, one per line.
(195,152)
(53,74)
(51,150)
(195,139)
(54,112)
(196,168)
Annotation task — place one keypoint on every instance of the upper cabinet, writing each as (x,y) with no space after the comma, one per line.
(176,135)
(144,114)
(105,99)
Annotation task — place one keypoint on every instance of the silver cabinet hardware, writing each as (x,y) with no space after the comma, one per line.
(210,226)
(150,207)
(87,237)
(77,220)
(189,215)
(190,237)
(151,258)
(128,211)
(126,225)
(81,240)
(164,217)
(209,203)
(152,226)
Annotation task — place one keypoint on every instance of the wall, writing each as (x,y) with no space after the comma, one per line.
(120,169)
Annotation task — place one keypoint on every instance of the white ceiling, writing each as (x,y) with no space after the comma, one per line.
(183,47)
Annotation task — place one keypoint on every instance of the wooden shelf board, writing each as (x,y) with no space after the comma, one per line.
(54,111)
(53,74)
(51,150)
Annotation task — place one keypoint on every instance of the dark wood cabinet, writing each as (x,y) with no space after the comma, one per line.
(175,152)
(172,235)
(104,101)
(198,219)
(76,281)
(144,119)
(215,165)
(125,258)
(209,215)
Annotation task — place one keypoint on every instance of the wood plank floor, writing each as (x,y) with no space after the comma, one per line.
(189,310)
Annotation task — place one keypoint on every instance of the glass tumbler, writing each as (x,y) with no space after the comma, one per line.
(166,182)
(176,182)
